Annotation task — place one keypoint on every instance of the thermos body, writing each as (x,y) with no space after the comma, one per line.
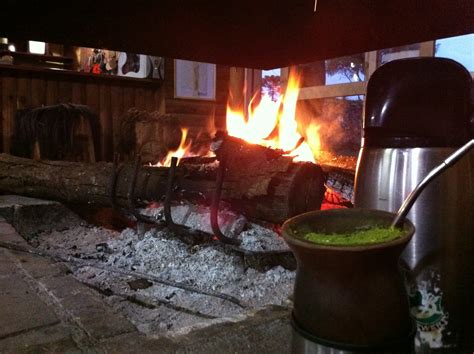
(417,112)
(445,209)
(439,258)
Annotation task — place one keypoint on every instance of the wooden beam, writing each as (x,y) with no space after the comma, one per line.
(427,49)
(351,89)
(370,64)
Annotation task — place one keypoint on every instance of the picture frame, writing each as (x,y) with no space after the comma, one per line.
(194,80)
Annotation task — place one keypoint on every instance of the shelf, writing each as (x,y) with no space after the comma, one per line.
(12,69)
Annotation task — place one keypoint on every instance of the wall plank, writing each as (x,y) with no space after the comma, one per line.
(140,102)
(117,110)
(92,96)
(105,117)
(149,100)
(38,92)
(51,91)
(65,91)
(128,98)
(23,93)
(1,114)
(78,94)
(9,87)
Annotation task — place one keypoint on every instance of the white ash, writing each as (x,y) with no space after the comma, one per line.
(205,267)
(253,237)
(259,238)
(161,254)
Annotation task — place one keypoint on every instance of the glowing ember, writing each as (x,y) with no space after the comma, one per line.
(181,152)
(274,125)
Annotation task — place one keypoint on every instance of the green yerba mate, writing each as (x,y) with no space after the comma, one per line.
(357,238)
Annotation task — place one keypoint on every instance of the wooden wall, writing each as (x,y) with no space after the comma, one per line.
(198,113)
(109,96)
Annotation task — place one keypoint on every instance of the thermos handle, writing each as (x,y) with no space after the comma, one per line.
(410,200)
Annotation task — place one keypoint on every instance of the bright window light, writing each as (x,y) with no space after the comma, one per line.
(36,47)
(459,48)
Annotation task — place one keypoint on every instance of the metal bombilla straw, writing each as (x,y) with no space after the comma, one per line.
(410,200)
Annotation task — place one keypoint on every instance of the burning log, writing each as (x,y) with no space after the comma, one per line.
(265,184)
(259,182)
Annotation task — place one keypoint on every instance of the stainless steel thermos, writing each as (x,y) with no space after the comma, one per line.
(417,112)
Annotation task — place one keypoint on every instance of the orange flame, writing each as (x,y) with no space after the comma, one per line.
(260,125)
(183,148)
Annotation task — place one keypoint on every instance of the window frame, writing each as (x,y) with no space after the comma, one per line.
(253,78)
(427,49)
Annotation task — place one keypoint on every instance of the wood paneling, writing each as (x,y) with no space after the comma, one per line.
(52,91)
(23,99)
(38,91)
(29,89)
(78,92)
(109,96)
(116,102)
(9,97)
(1,115)
(203,111)
(129,97)
(65,91)
(105,117)
(140,99)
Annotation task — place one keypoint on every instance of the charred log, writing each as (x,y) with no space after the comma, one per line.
(271,189)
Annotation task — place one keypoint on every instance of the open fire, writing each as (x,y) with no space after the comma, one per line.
(269,123)
(182,151)
(274,124)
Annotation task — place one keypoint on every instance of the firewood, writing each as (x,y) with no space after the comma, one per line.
(267,188)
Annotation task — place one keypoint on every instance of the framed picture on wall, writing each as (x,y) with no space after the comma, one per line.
(194,80)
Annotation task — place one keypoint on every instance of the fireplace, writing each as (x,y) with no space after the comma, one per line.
(180,229)
(193,237)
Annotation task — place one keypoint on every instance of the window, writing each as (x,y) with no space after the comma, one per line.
(36,47)
(459,48)
(389,54)
(333,91)
(333,71)
(271,83)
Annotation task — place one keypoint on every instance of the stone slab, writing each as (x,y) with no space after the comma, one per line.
(266,331)
(21,309)
(8,203)
(7,264)
(51,339)
(87,307)
(31,216)
(39,267)
(139,343)
(8,234)
(32,220)
(11,200)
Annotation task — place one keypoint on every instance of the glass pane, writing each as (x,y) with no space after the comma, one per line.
(271,83)
(333,71)
(340,126)
(459,48)
(345,69)
(36,47)
(389,54)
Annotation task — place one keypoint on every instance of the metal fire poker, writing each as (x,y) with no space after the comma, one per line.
(410,200)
